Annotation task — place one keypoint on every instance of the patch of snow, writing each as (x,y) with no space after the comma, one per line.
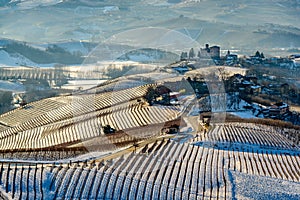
(247,147)
(29,4)
(70,46)
(141,58)
(247,186)
(280,5)
(296,62)
(83,84)
(79,35)
(10,86)
(158,2)
(16,60)
(108,9)
(195,111)
(243,114)
(90,11)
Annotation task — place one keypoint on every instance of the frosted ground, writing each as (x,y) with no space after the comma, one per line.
(258,187)
(10,86)
(271,26)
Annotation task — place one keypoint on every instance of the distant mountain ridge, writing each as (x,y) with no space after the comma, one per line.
(16,53)
(269,26)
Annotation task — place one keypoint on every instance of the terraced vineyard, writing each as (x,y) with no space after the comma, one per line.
(248,135)
(163,169)
(32,110)
(77,121)
(88,126)
(43,112)
(57,149)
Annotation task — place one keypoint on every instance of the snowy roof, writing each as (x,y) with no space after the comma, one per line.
(255,86)
(232,55)
(181,68)
(174,93)
(279,105)
(247,82)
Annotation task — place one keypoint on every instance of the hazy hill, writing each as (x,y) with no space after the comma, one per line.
(241,24)
(149,55)
(52,54)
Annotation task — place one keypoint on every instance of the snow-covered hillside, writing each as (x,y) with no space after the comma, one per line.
(18,53)
(70,46)
(149,55)
(29,4)
(10,86)
(14,60)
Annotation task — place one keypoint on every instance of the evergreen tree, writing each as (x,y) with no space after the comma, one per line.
(108,129)
(191,53)
(257,54)
(199,54)
(150,95)
(183,56)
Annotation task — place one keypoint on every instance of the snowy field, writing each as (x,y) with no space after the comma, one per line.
(17,60)
(11,86)
(83,84)
(246,186)
(243,114)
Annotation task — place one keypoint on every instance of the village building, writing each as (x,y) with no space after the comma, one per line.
(255,89)
(210,52)
(231,59)
(278,110)
(215,52)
